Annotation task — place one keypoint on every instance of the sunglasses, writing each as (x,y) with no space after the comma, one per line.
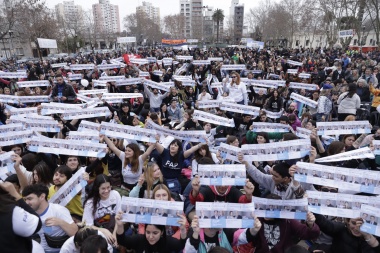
(233,76)
(324,189)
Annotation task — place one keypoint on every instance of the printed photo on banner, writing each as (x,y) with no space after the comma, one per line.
(149,211)
(226,174)
(371,219)
(338,177)
(270,127)
(128,132)
(70,189)
(360,153)
(338,204)
(282,209)
(88,126)
(343,127)
(12,138)
(225,215)
(229,153)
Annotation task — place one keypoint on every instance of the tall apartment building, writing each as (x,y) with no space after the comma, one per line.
(238,23)
(210,27)
(185,11)
(232,7)
(69,12)
(151,11)
(106,16)
(192,11)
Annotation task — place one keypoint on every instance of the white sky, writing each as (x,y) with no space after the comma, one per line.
(167,7)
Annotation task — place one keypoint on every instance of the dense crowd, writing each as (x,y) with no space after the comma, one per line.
(336,85)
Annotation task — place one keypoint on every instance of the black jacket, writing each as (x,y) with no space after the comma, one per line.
(68,92)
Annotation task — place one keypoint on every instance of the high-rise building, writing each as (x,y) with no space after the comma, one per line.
(238,21)
(185,11)
(106,17)
(192,12)
(69,12)
(151,11)
(232,7)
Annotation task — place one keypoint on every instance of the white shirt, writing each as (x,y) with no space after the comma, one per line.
(112,205)
(236,91)
(128,176)
(53,210)
(24,224)
(205,97)
(69,245)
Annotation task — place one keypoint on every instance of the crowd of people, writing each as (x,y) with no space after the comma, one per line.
(345,87)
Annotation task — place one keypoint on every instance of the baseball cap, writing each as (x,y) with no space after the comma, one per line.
(327,86)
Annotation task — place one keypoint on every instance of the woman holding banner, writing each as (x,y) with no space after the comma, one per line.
(237,90)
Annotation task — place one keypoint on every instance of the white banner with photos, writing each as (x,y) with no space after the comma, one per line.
(215,59)
(284,150)
(280,209)
(161,86)
(32,99)
(92,92)
(191,136)
(129,81)
(67,147)
(99,83)
(295,63)
(74,77)
(213,119)
(261,83)
(121,96)
(229,152)
(108,66)
(244,109)
(184,57)
(338,204)
(39,125)
(208,103)
(88,126)
(13,75)
(303,132)
(292,71)
(225,215)
(52,108)
(84,136)
(371,219)
(344,127)
(221,174)
(127,132)
(81,66)
(233,67)
(8,99)
(24,84)
(86,113)
(112,78)
(22,111)
(201,62)
(69,189)
(274,115)
(12,138)
(360,153)
(270,127)
(304,75)
(304,100)
(6,165)
(338,177)
(306,86)
(150,211)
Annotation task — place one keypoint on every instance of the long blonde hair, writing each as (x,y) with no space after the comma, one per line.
(237,81)
(149,178)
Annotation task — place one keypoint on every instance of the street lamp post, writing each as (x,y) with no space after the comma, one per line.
(5,50)
(10,32)
(362,39)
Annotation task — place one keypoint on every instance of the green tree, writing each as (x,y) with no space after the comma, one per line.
(218,17)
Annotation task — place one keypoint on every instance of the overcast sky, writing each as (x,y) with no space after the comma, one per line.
(167,7)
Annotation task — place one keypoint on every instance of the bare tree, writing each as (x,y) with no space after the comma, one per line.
(142,27)
(373,10)
(9,16)
(40,21)
(175,25)
(89,32)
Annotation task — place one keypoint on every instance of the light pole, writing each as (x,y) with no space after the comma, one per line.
(5,50)
(362,42)
(10,32)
